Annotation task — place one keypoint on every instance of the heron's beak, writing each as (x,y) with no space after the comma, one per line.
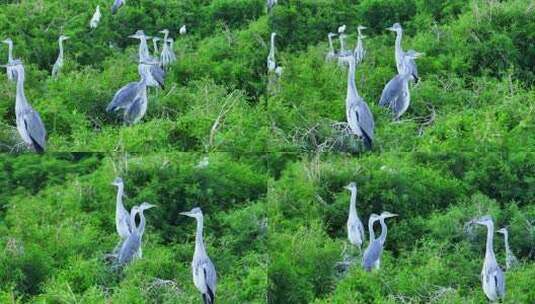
(390,29)
(416,55)
(66,38)
(363,27)
(5,41)
(134,36)
(187,213)
(148,206)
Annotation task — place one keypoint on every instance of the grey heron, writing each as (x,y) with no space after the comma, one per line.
(131,247)
(492,276)
(359,51)
(332,53)
(396,94)
(96,18)
(204,273)
(148,66)
(271,63)
(343,52)
(29,124)
(117,4)
(355,229)
(183,30)
(171,49)
(410,65)
(358,114)
(10,61)
(510,260)
(270,4)
(122,217)
(372,254)
(59,62)
(132,99)
(167,55)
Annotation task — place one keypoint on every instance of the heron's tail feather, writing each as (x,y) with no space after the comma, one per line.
(368,143)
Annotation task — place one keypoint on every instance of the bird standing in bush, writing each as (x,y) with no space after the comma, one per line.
(59,62)
(492,276)
(204,274)
(372,255)
(29,123)
(355,229)
(358,114)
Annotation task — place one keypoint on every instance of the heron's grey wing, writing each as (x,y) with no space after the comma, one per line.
(129,248)
(36,129)
(158,74)
(210,277)
(366,122)
(500,282)
(391,91)
(123,97)
(116,5)
(134,111)
(400,104)
(371,255)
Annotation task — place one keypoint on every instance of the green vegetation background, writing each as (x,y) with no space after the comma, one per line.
(56,216)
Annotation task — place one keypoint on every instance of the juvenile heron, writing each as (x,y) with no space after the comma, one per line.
(59,62)
(396,94)
(271,63)
(167,56)
(343,52)
(399,54)
(510,260)
(492,277)
(29,124)
(131,247)
(359,51)
(183,30)
(132,99)
(96,18)
(358,114)
(122,217)
(10,61)
(355,229)
(331,54)
(372,255)
(117,4)
(204,273)
(148,66)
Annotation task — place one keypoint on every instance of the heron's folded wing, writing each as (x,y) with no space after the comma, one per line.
(366,122)
(133,110)
(413,69)
(36,129)
(123,97)
(391,91)
(372,254)
(129,248)
(158,74)
(210,277)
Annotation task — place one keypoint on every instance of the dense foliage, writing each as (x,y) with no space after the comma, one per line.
(272,190)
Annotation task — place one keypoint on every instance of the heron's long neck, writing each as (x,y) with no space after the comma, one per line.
(342,44)
(155,44)
(119,198)
(143,49)
(490,238)
(399,50)
(165,36)
(21,101)
(351,86)
(272,47)
(10,52)
(141,228)
(331,47)
(61,48)
(370,229)
(352,204)
(506,241)
(384,230)
(199,243)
